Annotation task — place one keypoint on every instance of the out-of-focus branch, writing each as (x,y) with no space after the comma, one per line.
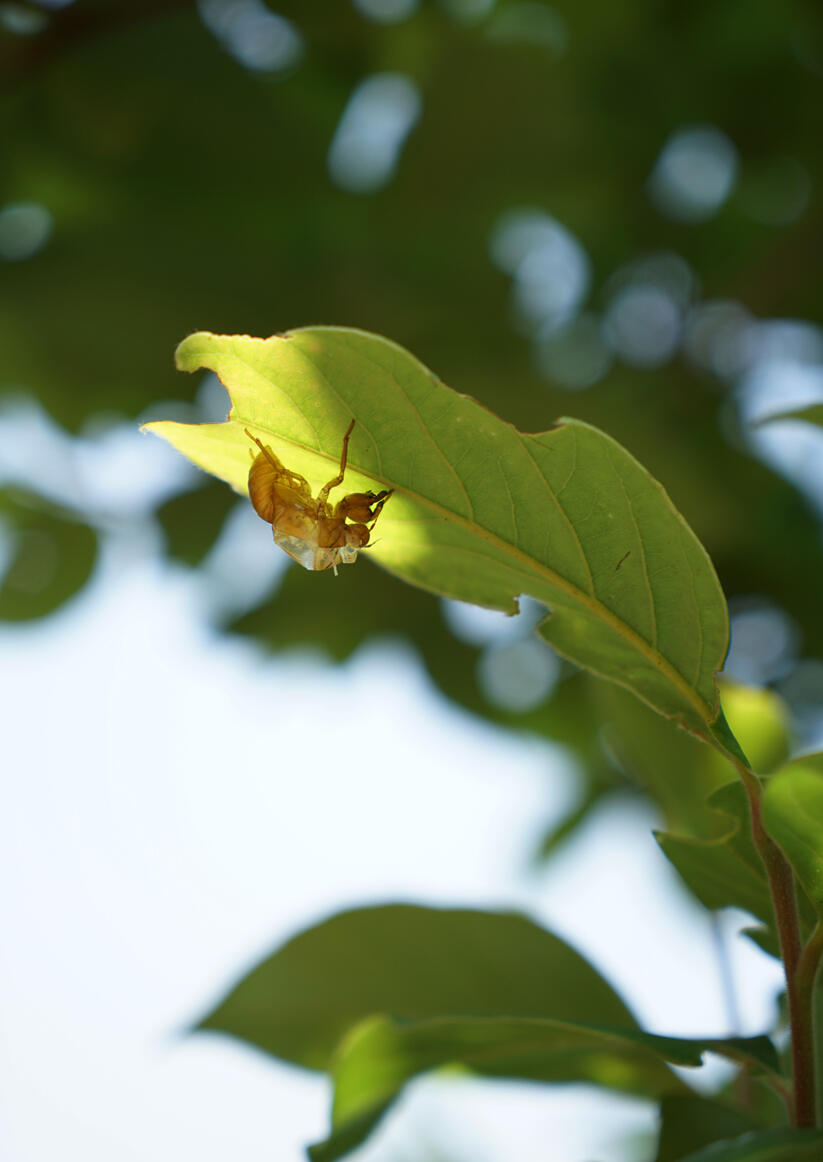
(24,57)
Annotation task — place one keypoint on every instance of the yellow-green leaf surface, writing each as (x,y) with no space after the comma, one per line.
(793,814)
(481,511)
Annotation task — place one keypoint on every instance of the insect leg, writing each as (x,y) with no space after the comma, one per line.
(323,494)
(379,501)
(267,452)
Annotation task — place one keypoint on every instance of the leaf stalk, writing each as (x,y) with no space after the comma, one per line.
(799,964)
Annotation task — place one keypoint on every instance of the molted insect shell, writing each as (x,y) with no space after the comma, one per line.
(313,557)
(306,527)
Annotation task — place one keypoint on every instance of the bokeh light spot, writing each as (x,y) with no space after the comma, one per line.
(574,355)
(718,337)
(549,266)
(782,382)
(764,643)
(386,11)
(803,691)
(25,228)
(256,37)
(21,20)
(518,676)
(468,11)
(666,270)
(531,23)
(787,340)
(694,174)
(642,325)
(366,146)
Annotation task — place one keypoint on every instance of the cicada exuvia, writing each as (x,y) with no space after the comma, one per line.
(315,533)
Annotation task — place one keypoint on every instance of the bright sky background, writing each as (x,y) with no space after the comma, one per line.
(175,804)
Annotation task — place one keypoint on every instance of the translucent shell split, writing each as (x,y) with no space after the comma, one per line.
(313,533)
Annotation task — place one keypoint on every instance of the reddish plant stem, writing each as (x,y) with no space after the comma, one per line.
(805,977)
(798,987)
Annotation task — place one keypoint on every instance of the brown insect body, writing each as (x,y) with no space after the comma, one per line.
(313,532)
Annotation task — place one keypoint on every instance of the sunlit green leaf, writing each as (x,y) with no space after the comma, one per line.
(482,512)
(793,814)
(412,963)
(379,1057)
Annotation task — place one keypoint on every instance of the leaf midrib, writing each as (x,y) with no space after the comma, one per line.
(532,567)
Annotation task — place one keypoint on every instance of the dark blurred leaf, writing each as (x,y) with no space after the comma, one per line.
(52,557)
(689,1122)
(412,963)
(817,1007)
(380,1056)
(725,871)
(764,1146)
(764,938)
(812,415)
(593,797)
(192,521)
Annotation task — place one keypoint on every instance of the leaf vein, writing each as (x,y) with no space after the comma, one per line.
(278,387)
(515,529)
(424,427)
(346,403)
(643,558)
(562,512)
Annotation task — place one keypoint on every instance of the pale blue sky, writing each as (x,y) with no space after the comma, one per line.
(170,812)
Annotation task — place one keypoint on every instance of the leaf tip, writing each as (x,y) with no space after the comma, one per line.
(187,355)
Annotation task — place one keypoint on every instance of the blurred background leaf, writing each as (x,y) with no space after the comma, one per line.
(50,556)
(413,963)
(564,208)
